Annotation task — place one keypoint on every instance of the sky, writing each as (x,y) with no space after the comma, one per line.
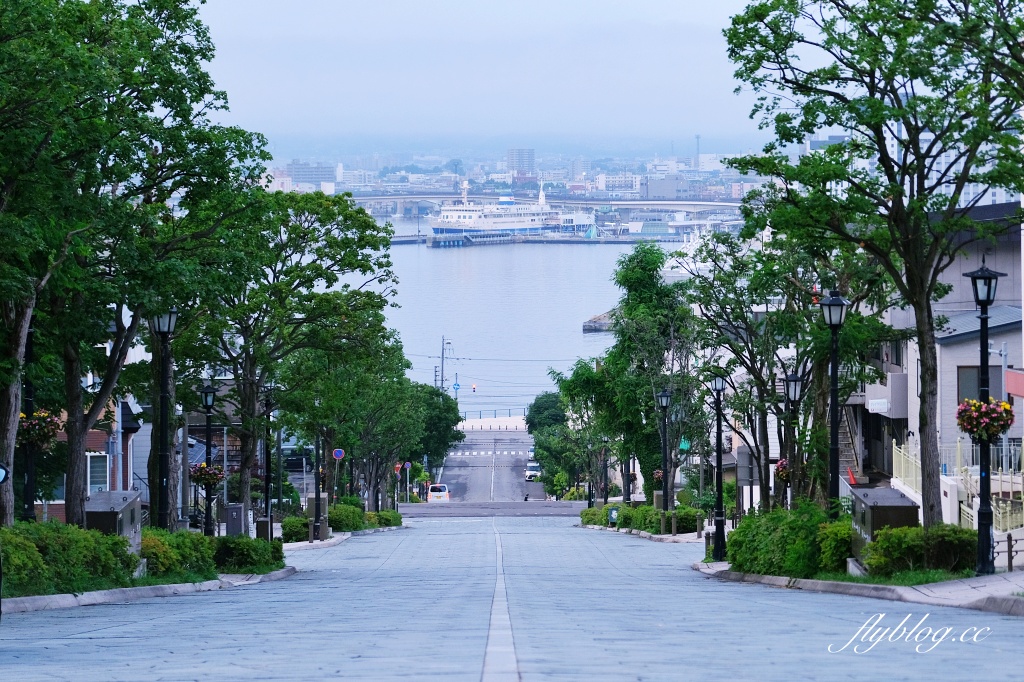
(586,73)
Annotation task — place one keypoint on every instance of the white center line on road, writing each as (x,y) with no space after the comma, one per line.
(500,663)
(492,475)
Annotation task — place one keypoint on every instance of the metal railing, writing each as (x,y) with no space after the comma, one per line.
(906,466)
(965,453)
(1007,515)
(967,519)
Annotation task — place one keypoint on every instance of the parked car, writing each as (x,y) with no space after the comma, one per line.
(532,471)
(438,492)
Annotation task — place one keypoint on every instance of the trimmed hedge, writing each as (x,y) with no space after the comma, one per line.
(389,517)
(241,554)
(943,546)
(294,529)
(351,500)
(644,517)
(780,542)
(344,517)
(63,559)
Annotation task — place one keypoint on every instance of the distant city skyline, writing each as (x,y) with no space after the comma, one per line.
(598,77)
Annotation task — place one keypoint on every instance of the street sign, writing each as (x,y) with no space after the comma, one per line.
(684,445)
(398,467)
(339,454)
(455,385)
(408,465)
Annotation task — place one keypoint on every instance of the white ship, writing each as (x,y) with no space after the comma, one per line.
(507,217)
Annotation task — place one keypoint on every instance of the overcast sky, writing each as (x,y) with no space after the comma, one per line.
(517,71)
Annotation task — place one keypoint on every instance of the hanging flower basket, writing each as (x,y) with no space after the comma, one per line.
(658,474)
(39,430)
(984,421)
(782,471)
(204,476)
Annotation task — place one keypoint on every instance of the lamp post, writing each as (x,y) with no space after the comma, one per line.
(794,389)
(604,462)
(664,398)
(833,309)
(316,486)
(718,547)
(163,324)
(268,407)
(984,281)
(209,396)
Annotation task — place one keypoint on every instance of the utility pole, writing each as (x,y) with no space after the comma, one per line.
(445,345)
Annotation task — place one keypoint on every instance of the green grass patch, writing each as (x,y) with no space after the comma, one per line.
(899,579)
(174,578)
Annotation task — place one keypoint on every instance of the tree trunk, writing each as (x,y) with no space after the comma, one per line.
(766,459)
(17,320)
(247,445)
(931,465)
(75,485)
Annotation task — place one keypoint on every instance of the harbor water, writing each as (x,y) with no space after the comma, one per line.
(508,313)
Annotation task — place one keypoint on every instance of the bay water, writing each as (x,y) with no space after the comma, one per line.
(507,314)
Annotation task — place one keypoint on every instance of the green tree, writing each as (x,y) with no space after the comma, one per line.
(90,155)
(545,410)
(930,128)
(304,245)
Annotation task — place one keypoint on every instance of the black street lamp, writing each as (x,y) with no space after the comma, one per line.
(209,396)
(718,547)
(604,462)
(794,390)
(163,325)
(316,485)
(268,408)
(833,309)
(28,512)
(664,397)
(984,282)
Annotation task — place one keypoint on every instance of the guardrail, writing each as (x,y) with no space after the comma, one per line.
(906,467)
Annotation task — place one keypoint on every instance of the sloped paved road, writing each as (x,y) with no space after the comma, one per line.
(497,599)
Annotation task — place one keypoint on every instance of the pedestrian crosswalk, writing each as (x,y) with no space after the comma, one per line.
(489,453)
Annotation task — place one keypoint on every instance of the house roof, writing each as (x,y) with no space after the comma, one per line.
(963,326)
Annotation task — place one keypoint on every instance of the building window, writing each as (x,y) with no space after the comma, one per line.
(99,472)
(967,383)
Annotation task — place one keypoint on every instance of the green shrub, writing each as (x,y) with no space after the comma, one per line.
(241,554)
(351,500)
(414,499)
(80,560)
(160,557)
(834,539)
(688,519)
(645,517)
(195,552)
(590,517)
(389,517)
(780,542)
(294,529)
(573,494)
(24,570)
(625,517)
(949,547)
(895,550)
(344,517)
(371,520)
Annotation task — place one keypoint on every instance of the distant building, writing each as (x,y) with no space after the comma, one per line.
(522,162)
(579,168)
(311,173)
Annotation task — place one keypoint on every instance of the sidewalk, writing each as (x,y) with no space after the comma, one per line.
(999,593)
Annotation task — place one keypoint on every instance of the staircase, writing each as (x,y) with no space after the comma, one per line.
(849,449)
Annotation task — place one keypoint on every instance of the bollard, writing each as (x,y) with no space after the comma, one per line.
(662,522)
(700,525)
(673,523)
(1009,553)
(707,543)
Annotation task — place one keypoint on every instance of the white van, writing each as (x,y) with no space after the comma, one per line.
(438,492)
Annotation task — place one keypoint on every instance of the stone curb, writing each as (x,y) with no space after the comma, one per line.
(1006,605)
(680,538)
(306,544)
(382,529)
(122,594)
